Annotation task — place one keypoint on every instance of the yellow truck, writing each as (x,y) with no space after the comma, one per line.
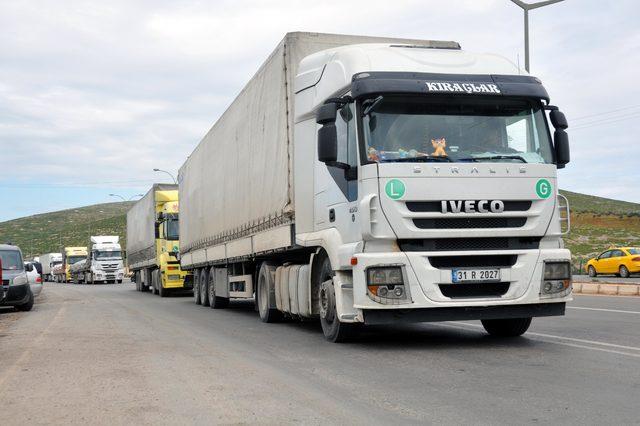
(70,255)
(152,242)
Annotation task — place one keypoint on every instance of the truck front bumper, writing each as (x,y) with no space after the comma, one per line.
(431,287)
(388,316)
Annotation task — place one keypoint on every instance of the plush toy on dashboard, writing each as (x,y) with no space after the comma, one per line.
(372,153)
(439,145)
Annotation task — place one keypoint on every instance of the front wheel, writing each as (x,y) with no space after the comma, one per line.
(511,327)
(334,330)
(592,271)
(26,306)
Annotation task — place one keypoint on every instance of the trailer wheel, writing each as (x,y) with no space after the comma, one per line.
(216,302)
(155,276)
(196,287)
(334,330)
(204,287)
(265,293)
(510,327)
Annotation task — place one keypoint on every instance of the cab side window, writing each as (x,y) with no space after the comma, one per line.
(347,151)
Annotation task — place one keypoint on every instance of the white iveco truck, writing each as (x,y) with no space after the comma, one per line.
(104,263)
(368,181)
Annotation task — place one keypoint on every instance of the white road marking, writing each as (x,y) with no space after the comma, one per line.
(562,340)
(604,310)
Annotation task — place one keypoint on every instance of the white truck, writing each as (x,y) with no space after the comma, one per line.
(369,181)
(49,261)
(103,264)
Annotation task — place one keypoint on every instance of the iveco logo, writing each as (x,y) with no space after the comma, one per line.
(471,206)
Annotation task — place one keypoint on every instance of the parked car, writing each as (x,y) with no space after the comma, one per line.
(35,279)
(621,261)
(16,290)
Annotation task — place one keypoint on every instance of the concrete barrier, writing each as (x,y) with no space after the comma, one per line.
(608,289)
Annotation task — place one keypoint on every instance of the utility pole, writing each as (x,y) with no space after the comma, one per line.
(527,7)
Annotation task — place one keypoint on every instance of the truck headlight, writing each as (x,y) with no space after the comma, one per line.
(556,281)
(386,285)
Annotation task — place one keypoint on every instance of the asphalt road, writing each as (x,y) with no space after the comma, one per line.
(107,354)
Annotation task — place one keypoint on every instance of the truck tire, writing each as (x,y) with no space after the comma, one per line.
(334,330)
(265,293)
(137,281)
(196,287)
(155,275)
(89,278)
(26,306)
(510,327)
(215,302)
(163,292)
(204,287)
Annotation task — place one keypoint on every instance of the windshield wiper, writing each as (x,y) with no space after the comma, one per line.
(371,104)
(495,157)
(425,159)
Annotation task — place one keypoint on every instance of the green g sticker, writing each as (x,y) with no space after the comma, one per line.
(543,188)
(394,189)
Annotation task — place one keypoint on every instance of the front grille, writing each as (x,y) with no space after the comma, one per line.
(474,290)
(468,223)
(461,244)
(435,206)
(493,260)
(5,282)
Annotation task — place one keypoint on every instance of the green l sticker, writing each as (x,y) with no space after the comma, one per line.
(394,189)
(543,188)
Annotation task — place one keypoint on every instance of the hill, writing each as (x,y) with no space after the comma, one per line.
(48,232)
(596,224)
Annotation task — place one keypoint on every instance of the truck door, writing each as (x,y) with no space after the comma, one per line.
(336,192)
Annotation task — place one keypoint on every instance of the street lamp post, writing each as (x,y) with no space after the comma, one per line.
(527,7)
(117,195)
(164,171)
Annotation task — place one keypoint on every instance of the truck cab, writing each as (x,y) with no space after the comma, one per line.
(70,255)
(105,262)
(171,275)
(434,188)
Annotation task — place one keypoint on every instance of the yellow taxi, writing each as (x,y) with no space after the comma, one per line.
(621,261)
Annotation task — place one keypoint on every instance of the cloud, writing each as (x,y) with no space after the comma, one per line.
(96,92)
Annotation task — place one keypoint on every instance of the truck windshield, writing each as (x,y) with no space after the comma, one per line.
(73,259)
(109,254)
(11,260)
(172,230)
(456,130)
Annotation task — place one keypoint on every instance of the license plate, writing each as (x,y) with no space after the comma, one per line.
(475,275)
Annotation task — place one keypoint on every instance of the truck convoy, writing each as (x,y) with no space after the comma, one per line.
(152,242)
(103,263)
(368,181)
(49,261)
(70,255)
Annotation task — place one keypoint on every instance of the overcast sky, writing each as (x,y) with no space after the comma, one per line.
(94,95)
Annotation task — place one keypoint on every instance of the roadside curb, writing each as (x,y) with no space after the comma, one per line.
(608,289)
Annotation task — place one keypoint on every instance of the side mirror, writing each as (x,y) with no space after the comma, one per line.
(28,267)
(558,119)
(326,114)
(561,143)
(328,143)
(327,135)
(157,229)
